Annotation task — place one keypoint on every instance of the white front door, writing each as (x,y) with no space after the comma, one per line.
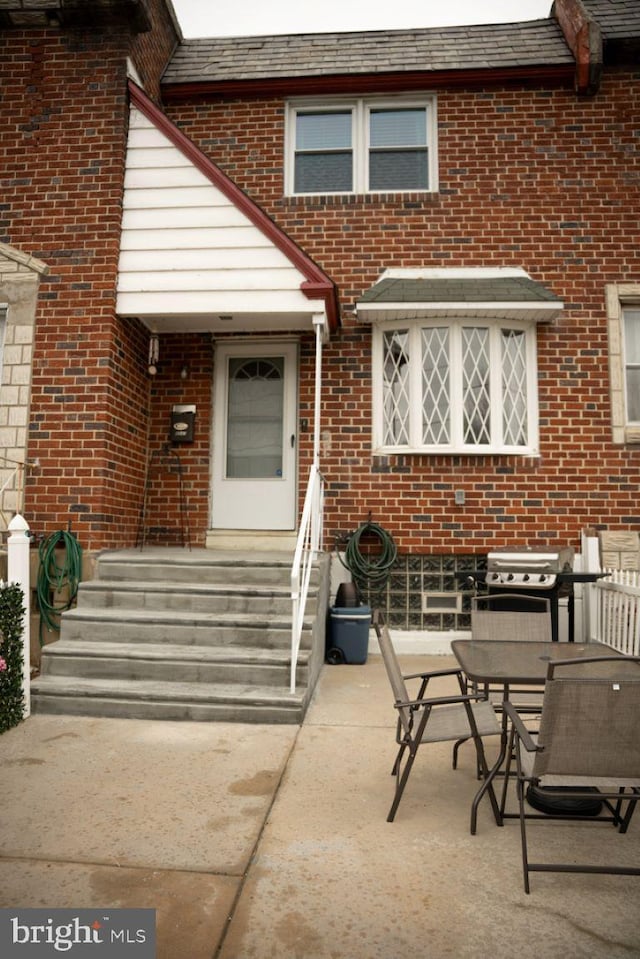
(254,436)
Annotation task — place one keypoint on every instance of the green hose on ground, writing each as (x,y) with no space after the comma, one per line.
(57,584)
(370,572)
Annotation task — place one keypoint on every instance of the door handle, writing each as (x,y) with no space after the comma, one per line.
(293,440)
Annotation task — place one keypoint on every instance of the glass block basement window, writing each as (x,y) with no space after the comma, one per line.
(413,576)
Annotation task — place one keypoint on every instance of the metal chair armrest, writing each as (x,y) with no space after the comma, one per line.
(440,701)
(589,659)
(523,733)
(450,671)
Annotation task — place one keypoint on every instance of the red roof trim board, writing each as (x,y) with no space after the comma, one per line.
(368,83)
(317,284)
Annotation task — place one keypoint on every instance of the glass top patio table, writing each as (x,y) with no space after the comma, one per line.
(504,662)
(521,663)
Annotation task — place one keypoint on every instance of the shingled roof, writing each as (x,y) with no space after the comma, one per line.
(503,292)
(501,46)
(441,289)
(617,19)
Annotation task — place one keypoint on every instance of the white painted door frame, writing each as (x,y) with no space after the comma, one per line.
(265,502)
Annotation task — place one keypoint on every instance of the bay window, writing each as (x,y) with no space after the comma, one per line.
(457,386)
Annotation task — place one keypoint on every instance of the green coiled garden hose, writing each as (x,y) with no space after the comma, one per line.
(370,571)
(57,584)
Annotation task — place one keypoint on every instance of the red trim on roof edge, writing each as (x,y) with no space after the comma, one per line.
(365,83)
(317,284)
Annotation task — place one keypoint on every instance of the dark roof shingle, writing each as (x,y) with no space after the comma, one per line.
(504,45)
(459,290)
(617,19)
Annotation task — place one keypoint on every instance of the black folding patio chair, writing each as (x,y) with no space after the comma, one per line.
(588,739)
(421,719)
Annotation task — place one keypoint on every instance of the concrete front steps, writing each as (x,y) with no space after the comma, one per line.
(179,634)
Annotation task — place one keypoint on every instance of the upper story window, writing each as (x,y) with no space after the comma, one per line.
(361,146)
(455,386)
(623,309)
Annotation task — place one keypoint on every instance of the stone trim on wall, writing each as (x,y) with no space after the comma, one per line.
(618,296)
(19,280)
(620,549)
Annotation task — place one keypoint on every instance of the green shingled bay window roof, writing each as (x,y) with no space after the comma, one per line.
(500,293)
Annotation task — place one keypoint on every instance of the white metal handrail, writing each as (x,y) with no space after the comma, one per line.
(308,544)
(618,611)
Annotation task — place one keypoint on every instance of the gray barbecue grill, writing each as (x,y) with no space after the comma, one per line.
(544,572)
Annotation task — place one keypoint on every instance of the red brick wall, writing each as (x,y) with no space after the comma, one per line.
(63,117)
(533,178)
(151,51)
(168,519)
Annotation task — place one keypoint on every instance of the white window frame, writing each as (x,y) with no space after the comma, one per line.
(618,297)
(360,109)
(457,445)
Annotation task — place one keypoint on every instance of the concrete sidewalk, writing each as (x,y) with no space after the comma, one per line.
(271,842)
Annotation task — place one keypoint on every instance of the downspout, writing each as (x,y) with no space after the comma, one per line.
(320,325)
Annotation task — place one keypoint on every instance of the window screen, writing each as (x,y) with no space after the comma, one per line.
(398,158)
(323,155)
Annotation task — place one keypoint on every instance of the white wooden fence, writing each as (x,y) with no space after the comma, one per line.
(617,611)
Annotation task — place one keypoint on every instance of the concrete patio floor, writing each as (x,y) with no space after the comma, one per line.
(271,842)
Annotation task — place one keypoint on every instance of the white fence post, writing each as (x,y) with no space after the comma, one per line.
(18,545)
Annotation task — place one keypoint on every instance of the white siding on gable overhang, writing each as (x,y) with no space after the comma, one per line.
(188,254)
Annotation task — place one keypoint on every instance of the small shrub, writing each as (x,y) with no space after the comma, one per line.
(11,631)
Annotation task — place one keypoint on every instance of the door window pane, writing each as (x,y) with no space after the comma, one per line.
(254,418)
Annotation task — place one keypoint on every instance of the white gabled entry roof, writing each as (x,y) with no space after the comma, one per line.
(196,253)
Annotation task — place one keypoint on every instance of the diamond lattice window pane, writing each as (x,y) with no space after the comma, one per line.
(395,388)
(436,403)
(514,387)
(476,386)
